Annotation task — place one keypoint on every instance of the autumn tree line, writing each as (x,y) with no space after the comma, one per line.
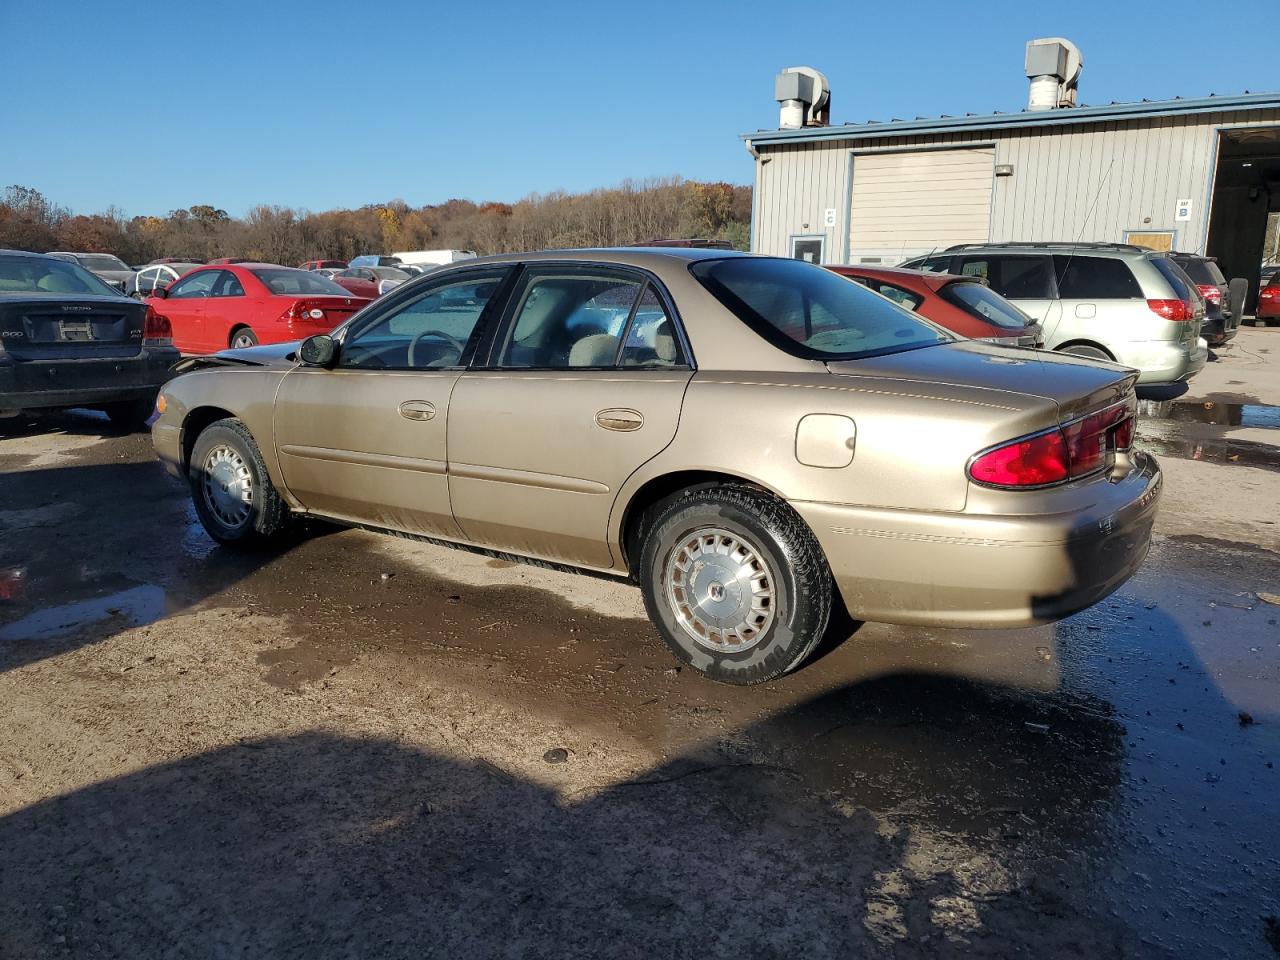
(631,212)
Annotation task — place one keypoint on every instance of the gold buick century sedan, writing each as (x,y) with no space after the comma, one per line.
(750,439)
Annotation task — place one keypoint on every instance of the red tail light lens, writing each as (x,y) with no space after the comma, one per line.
(157,331)
(1171,309)
(1210,292)
(1269,293)
(1032,462)
(1076,449)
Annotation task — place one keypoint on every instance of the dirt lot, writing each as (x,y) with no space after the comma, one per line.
(363,747)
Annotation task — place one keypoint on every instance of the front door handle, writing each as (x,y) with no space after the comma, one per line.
(620,419)
(417,410)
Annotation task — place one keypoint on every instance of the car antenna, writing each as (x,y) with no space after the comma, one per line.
(1085,225)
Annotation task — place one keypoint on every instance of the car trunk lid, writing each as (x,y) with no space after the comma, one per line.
(1075,385)
(38,327)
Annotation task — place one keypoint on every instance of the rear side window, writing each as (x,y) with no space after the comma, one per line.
(1201,271)
(983,302)
(1015,277)
(1095,278)
(904,298)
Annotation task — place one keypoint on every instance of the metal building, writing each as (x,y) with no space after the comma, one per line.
(1195,174)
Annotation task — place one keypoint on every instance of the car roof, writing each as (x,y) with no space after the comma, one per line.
(625,256)
(23,253)
(926,278)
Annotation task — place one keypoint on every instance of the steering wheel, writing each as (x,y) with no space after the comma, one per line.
(439,334)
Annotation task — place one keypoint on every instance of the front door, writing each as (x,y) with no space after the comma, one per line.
(583,384)
(365,441)
(184,307)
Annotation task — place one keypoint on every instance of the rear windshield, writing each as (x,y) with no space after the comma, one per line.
(810,311)
(982,301)
(51,276)
(1201,271)
(285,281)
(101,261)
(1176,277)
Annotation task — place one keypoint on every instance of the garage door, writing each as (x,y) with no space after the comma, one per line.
(907,204)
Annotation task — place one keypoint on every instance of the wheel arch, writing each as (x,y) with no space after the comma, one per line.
(660,487)
(195,423)
(1082,342)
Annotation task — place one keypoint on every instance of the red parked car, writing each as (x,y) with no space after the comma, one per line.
(1269,299)
(964,305)
(240,305)
(323,265)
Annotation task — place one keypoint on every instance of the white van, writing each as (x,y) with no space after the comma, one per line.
(433,258)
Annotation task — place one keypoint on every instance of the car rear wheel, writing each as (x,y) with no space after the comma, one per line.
(735,582)
(1084,350)
(130,414)
(233,495)
(243,337)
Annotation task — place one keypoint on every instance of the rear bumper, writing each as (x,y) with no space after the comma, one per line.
(42,384)
(967,570)
(1164,361)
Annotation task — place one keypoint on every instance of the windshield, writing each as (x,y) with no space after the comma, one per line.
(810,311)
(49,276)
(981,301)
(102,261)
(286,281)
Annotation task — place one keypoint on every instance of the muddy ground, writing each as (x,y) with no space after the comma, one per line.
(363,747)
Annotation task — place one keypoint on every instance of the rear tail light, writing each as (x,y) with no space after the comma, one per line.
(1269,293)
(1171,309)
(1211,292)
(157,331)
(1075,449)
(302,310)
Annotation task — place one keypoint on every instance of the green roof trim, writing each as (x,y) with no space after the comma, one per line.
(1024,118)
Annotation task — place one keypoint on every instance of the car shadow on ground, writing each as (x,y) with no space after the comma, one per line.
(323,845)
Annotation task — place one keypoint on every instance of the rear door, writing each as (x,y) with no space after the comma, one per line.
(1093,292)
(585,382)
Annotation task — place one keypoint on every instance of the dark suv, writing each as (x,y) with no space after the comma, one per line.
(1220,324)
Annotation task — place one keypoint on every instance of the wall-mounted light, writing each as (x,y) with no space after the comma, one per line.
(1004,169)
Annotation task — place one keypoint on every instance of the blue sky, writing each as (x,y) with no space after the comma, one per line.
(152,106)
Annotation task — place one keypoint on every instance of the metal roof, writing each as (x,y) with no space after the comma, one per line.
(1024,118)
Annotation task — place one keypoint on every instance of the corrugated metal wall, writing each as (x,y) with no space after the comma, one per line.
(1087,182)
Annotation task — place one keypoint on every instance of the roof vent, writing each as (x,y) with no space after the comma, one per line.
(804,98)
(1053,67)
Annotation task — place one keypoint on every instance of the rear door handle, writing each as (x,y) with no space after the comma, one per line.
(620,419)
(417,410)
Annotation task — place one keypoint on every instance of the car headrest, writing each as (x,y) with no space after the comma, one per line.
(597,350)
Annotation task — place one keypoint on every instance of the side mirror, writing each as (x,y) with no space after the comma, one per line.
(318,351)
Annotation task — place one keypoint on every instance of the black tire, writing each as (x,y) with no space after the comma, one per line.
(131,414)
(780,547)
(225,450)
(1084,350)
(242,337)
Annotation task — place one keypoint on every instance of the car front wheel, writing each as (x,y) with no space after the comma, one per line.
(735,582)
(233,495)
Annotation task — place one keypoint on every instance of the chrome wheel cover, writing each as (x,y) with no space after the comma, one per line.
(227,485)
(720,589)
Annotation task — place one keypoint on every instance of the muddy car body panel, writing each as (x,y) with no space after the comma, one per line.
(565,406)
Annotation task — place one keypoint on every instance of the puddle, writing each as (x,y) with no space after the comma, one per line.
(136,606)
(1211,411)
(1239,452)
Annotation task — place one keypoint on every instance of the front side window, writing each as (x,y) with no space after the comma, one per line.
(431,331)
(197,285)
(567,320)
(1015,277)
(812,312)
(1095,278)
(981,301)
